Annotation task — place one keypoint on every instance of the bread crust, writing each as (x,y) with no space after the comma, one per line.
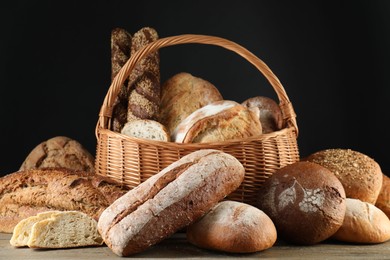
(26,193)
(383,201)
(169,200)
(181,95)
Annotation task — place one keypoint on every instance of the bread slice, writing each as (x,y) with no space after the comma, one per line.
(147,129)
(22,230)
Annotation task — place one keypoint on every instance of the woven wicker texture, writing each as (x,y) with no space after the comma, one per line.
(132,160)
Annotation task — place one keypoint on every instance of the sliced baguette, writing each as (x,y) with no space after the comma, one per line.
(146,129)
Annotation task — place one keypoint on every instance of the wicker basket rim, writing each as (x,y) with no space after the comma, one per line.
(105,113)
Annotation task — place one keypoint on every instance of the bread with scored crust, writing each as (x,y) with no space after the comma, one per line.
(170,200)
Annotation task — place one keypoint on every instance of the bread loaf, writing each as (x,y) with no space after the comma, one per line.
(271,116)
(181,95)
(360,175)
(26,193)
(363,223)
(61,152)
(233,227)
(305,201)
(170,200)
(147,129)
(219,121)
(383,201)
(144,81)
(120,53)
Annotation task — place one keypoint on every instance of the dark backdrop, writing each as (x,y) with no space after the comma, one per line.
(332,58)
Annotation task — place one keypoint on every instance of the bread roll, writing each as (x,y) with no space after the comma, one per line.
(219,121)
(271,116)
(181,95)
(169,201)
(233,227)
(147,129)
(305,201)
(363,223)
(383,201)
(59,152)
(360,175)
(26,193)
(120,53)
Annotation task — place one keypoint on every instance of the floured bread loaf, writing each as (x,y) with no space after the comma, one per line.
(22,230)
(219,121)
(181,95)
(58,230)
(147,129)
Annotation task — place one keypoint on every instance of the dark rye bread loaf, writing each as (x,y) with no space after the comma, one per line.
(170,200)
(144,81)
(120,53)
(26,193)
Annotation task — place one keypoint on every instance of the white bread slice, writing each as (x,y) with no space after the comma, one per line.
(63,229)
(147,129)
(22,230)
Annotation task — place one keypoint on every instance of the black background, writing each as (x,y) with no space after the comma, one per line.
(332,58)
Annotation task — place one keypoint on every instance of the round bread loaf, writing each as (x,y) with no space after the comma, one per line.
(59,152)
(360,175)
(233,227)
(181,95)
(217,122)
(383,201)
(271,116)
(363,223)
(305,201)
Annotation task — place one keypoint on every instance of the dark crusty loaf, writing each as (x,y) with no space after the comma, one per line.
(235,227)
(59,151)
(26,193)
(144,81)
(305,201)
(169,200)
(360,175)
(120,53)
(181,95)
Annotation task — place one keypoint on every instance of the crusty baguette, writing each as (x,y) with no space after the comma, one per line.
(147,129)
(26,193)
(65,230)
(169,201)
(144,81)
(120,53)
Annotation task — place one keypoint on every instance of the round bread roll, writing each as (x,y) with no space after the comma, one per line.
(363,223)
(305,201)
(383,201)
(233,227)
(59,152)
(219,121)
(181,95)
(271,116)
(360,175)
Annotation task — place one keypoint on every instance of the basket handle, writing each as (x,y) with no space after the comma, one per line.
(107,107)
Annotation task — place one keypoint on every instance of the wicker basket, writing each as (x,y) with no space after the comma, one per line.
(131,161)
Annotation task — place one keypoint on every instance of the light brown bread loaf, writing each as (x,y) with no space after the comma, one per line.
(363,223)
(181,95)
(120,53)
(383,201)
(360,175)
(233,227)
(219,121)
(146,129)
(144,81)
(26,193)
(169,201)
(305,201)
(271,116)
(62,152)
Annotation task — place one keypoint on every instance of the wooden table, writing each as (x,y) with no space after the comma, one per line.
(178,247)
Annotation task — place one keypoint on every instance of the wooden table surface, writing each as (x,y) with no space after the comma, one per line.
(178,247)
